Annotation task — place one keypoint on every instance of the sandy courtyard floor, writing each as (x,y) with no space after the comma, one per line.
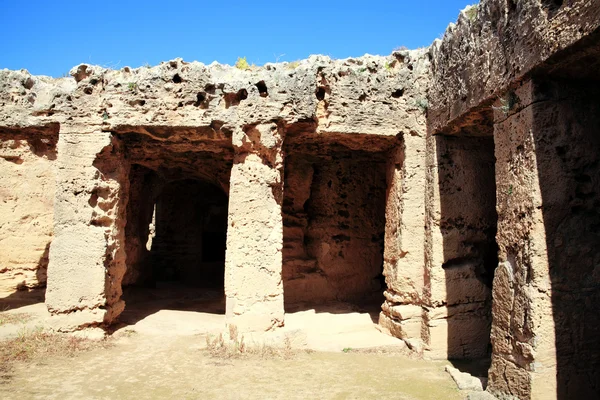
(161,354)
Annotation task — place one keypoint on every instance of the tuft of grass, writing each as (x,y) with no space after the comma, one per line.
(422,104)
(17,318)
(31,345)
(132,86)
(508,102)
(292,65)
(347,349)
(236,347)
(242,64)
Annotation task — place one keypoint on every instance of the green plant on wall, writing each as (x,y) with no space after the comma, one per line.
(242,63)
(508,102)
(292,65)
(422,104)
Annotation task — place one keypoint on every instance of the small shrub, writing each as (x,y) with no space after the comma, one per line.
(236,347)
(242,63)
(347,349)
(132,86)
(19,318)
(36,344)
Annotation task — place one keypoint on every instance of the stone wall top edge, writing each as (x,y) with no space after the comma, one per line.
(496,44)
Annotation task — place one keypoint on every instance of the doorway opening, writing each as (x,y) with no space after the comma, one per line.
(175,237)
(468,224)
(334,223)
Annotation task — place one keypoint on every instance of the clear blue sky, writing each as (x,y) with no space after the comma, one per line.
(49,37)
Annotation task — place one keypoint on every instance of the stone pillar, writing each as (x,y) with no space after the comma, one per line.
(523,351)
(253,263)
(547,286)
(87,258)
(405,240)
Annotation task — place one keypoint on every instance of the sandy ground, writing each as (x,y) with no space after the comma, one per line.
(160,353)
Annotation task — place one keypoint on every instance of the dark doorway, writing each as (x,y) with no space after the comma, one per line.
(191,228)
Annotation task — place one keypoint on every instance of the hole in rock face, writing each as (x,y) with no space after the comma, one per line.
(234,99)
(242,94)
(262,89)
(398,93)
(177,79)
(201,100)
(320,93)
(552,6)
(210,88)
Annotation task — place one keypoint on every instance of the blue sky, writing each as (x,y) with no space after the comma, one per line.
(50,37)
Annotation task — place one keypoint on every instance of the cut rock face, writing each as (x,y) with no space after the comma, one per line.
(26,206)
(454,187)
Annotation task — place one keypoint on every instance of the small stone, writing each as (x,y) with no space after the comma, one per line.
(465,381)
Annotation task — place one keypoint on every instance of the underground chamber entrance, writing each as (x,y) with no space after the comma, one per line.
(468,225)
(334,222)
(176,226)
(176,237)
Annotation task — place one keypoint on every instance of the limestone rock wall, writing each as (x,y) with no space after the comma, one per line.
(464,173)
(141,225)
(545,285)
(26,206)
(496,44)
(216,123)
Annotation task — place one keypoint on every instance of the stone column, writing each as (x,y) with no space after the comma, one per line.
(404,240)
(86,256)
(547,286)
(523,328)
(253,263)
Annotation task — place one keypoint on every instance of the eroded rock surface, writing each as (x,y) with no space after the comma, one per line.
(455,185)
